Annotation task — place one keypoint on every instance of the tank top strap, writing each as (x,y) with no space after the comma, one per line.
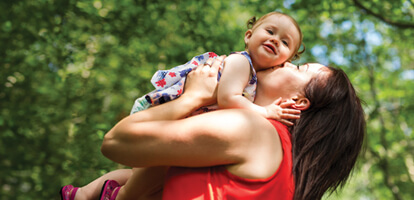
(245,54)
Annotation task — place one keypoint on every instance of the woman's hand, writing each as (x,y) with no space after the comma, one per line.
(201,83)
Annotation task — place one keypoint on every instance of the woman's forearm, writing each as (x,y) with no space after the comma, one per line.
(176,109)
(129,132)
(135,138)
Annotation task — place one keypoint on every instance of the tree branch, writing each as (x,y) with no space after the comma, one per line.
(383,162)
(402,25)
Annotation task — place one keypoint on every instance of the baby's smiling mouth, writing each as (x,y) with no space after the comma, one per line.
(271,47)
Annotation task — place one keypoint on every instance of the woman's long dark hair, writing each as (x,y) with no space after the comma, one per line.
(328,137)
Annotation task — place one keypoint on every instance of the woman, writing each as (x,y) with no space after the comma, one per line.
(237,154)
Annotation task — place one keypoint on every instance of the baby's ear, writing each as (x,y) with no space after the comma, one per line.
(247,36)
(301,103)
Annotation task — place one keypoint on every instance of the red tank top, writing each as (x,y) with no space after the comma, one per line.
(216,183)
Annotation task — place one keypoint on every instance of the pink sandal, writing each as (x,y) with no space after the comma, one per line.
(68,192)
(110,190)
(115,193)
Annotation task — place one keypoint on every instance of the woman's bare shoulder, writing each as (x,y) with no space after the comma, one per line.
(256,141)
(240,120)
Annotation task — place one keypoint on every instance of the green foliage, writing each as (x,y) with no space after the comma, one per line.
(71,69)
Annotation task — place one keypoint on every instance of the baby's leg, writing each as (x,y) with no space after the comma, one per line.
(144,184)
(93,189)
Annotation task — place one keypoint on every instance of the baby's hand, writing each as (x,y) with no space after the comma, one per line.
(282,112)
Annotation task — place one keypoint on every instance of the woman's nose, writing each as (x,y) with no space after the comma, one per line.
(288,64)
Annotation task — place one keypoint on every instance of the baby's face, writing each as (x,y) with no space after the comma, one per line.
(272,42)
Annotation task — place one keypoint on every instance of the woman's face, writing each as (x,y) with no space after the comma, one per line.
(289,80)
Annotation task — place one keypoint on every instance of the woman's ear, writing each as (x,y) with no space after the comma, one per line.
(247,37)
(301,103)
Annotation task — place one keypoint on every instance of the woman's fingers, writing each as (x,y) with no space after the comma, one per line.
(209,62)
(206,66)
(201,83)
(211,66)
(215,66)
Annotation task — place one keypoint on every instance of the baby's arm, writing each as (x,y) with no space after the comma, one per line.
(236,74)
(233,80)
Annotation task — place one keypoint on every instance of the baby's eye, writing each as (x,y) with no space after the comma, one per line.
(286,43)
(270,32)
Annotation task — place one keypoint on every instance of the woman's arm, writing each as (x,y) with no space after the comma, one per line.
(214,138)
(201,91)
(159,137)
(235,137)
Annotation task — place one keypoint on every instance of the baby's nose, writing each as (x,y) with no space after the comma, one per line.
(275,41)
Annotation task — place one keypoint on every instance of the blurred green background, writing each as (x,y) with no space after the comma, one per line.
(70,69)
